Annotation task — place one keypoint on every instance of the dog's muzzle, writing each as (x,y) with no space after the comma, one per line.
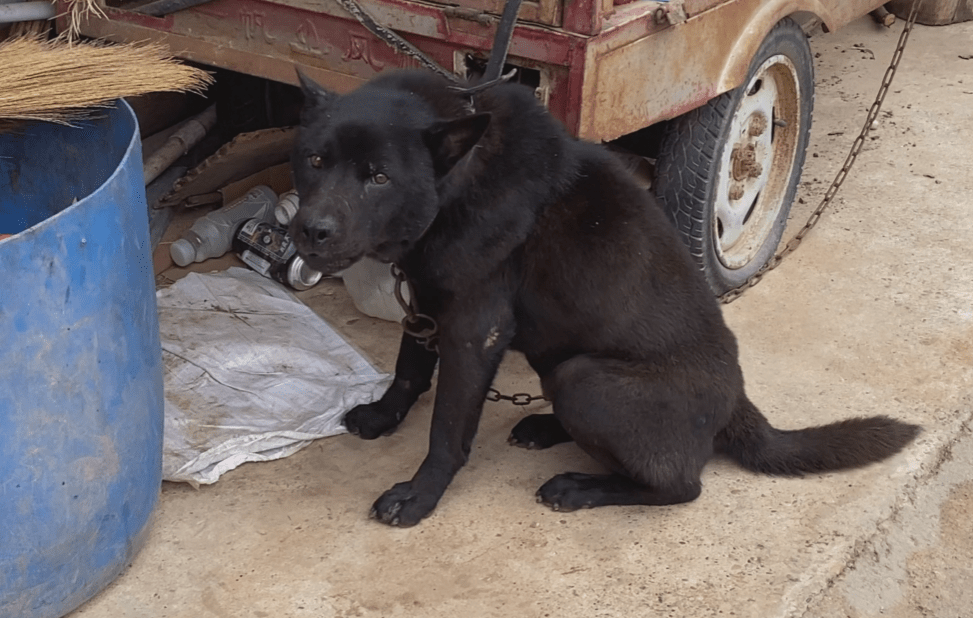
(322,242)
(314,234)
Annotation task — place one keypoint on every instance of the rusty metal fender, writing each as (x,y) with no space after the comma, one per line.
(638,73)
(760,23)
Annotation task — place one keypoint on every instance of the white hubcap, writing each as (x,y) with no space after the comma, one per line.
(756,162)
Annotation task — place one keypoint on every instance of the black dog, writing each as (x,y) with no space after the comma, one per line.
(515,235)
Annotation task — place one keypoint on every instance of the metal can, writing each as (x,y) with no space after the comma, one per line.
(299,275)
(268,249)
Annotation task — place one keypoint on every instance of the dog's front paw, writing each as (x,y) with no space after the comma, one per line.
(403,506)
(369,421)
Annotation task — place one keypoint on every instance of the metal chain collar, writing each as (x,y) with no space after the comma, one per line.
(421,326)
(426,331)
(856,147)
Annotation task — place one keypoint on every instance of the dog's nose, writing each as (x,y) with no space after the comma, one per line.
(315,231)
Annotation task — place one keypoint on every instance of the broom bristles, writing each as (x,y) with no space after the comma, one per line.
(55,81)
(79,10)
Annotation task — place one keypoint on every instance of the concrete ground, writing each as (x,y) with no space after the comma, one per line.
(874,315)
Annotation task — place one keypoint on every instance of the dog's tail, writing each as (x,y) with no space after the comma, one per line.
(852,443)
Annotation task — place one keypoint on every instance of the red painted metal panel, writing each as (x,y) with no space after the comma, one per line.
(608,70)
(582,16)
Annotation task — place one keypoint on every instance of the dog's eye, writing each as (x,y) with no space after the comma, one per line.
(316,161)
(380,178)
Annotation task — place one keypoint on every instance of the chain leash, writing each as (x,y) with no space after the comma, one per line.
(856,148)
(518,399)
(426,331)
(421,326)
(394,40)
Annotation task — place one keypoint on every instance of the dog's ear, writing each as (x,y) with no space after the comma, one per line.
(315,95)
(449,140)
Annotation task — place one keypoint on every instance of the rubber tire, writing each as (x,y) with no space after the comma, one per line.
(688,167)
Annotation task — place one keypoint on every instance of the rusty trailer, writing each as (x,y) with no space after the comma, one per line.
(604,69)
(733,78)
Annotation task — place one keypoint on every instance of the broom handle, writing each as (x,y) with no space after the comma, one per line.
(25,11)
(179,144)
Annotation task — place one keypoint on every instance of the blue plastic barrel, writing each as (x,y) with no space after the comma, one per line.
(81,404)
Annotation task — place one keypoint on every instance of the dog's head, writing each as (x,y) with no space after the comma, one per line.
(367,166)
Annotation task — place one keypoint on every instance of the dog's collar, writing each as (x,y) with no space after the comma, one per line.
(471,91)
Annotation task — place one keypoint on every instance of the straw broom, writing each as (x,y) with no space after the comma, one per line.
(59,81)
(79,10)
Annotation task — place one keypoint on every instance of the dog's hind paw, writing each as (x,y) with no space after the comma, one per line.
(369,421)
(538,431)
(570,491)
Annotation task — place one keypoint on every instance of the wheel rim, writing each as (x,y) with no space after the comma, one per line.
(757,162)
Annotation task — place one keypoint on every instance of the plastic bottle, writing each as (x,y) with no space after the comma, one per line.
(286,207)
(212,235)
(372,288)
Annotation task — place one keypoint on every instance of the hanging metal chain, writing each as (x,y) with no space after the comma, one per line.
(498,53)
(518,399)
(421,326)
(395,41)
(856,148)
(426,331)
